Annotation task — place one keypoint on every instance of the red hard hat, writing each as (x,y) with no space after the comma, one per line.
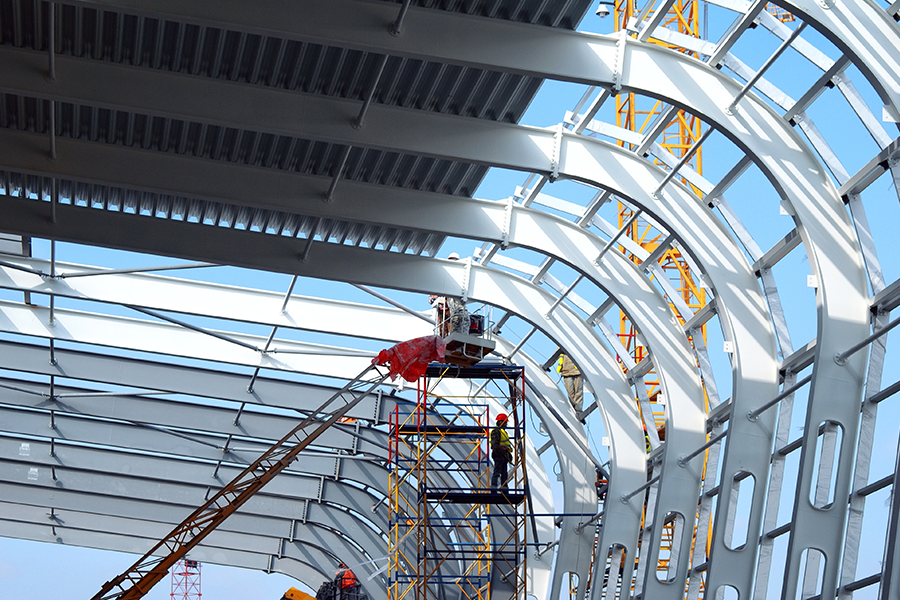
(502,417)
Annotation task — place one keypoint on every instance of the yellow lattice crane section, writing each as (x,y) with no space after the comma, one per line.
(680,134)
(779,13)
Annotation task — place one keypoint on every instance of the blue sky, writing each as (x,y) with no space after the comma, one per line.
(32,570)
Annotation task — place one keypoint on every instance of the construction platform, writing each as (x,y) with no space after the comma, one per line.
(448,526)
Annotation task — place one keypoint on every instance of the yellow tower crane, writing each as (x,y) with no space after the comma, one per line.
(680,134)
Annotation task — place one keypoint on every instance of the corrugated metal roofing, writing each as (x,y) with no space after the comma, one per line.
(212,52)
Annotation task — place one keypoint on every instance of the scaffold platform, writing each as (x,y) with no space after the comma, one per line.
(448,526)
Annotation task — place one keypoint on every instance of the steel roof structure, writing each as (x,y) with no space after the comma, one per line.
(344,140)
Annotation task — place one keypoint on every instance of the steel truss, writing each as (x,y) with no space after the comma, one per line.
(113,192)
(155,564)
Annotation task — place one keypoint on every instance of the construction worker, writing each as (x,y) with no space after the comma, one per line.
(501,452)
(573,381)
(602,483)
(450,314)
(441,314)
(347,578)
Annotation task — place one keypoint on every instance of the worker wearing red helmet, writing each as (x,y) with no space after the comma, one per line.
(501,451)
(346,577)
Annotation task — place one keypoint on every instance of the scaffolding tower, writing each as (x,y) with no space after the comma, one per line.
(452,535)
(186,580)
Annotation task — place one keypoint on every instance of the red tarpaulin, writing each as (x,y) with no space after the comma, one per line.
(410,359)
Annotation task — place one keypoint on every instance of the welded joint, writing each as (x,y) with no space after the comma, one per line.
(255,374)
(539,553)
(557,153)
(396,26)
(225,449)
(579,529)
(626,498)
(841,357)
(507,223)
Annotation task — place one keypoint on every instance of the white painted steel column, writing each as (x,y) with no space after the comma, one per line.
(573,552)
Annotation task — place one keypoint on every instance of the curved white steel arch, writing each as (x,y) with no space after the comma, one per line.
(685,420)
(626,479)
(865,31)
(573,554)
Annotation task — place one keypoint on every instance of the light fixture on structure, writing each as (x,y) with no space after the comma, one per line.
(603,9)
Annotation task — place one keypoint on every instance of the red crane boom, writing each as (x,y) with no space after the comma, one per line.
(153,566)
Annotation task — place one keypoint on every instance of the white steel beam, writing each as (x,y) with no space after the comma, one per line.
(301,560)
(146,374)
(575,546)
(228,302)
(121,421)
(861,29)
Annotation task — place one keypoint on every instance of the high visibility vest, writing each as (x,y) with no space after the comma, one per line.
(348,579)
(500,439)
(566,367)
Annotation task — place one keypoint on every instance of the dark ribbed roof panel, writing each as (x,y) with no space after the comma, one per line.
(240,146)
(313,68)
(565,14)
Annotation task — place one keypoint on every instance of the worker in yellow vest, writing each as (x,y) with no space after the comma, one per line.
(501,452)
(573,381)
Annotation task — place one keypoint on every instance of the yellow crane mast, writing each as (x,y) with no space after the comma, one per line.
(679,136)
